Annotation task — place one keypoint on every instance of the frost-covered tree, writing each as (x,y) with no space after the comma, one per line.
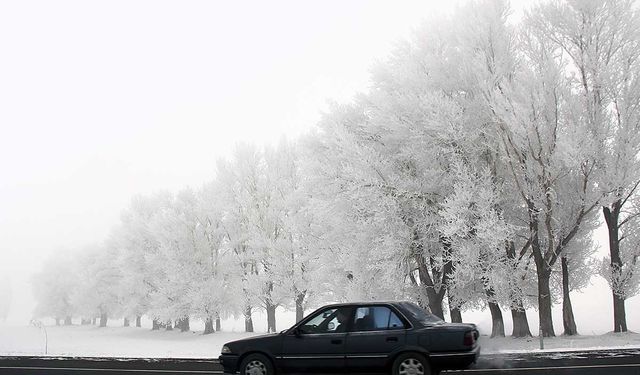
(54,287)
(476,228)
(248,228)
(359,221)
(175,228)
(481,43)
(550,152)
(142,267)
(99,279)
(622,268)
(266,226)
(388,173)
(599,40)
(212,291)
(576,267)
(296,245)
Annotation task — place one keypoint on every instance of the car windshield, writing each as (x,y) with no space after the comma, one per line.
(420,314)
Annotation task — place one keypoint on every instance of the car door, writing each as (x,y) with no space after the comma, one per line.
(376,332)
(318,344)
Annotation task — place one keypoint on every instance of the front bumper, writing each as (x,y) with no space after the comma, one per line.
(229,362)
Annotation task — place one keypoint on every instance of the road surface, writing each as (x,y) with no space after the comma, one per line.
(619,362)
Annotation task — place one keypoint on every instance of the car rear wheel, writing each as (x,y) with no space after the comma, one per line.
(256,364)
(411,364)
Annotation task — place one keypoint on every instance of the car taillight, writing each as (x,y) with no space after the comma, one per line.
(469,338)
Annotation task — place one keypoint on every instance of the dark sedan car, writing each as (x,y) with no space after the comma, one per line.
(396,337)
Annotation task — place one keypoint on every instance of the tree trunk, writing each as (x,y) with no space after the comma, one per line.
(248,320)
(208,326)
(497,323)
(103,320)
(435,303)
(57,321)
(271,317)
(169,326)
(155,325)
(84,321)
(218,325)
(518,313)
(67,321)
(543,273)
(568,319)
(520,322)
(544,303)
(619,314)
(93,321)
(454,311)
(434,298)
(184,324)
(426,281)
(299,306)
(611,216)
(138,321)
(126,322)
(456,315)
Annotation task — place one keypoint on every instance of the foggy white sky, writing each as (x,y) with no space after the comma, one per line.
(101,100)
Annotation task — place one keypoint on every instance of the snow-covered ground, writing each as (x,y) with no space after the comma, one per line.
(560,343)
(112,342)
(142,342)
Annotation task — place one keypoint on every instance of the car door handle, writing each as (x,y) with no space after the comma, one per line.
(392,339)
(336,341)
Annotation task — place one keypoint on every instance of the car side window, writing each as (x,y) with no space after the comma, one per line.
(376,318)
(332,320)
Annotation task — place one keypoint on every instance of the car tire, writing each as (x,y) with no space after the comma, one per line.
(411,364)
(256,364)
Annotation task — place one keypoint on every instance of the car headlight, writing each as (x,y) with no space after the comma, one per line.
(225,350)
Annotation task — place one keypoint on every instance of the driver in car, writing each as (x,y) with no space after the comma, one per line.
(342,317)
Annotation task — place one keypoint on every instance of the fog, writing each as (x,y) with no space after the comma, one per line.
(100,101)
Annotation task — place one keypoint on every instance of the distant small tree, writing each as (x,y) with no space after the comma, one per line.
(5,297)
(54,287)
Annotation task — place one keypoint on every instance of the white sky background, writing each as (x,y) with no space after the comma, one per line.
(102,100)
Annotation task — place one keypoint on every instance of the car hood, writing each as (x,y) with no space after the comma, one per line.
(256,337)
(268,343)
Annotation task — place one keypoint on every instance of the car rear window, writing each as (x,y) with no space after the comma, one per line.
(420,314)
(373,318)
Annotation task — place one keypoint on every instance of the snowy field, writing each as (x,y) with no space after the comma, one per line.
(142,342)
(117,341)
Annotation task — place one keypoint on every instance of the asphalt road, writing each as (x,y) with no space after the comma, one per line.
(591,362)
(619,362)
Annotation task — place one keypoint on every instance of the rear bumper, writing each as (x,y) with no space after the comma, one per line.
(455,360)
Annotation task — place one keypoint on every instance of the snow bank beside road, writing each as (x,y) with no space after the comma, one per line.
(560,343)
(91,341)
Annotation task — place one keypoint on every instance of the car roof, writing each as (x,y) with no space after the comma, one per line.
(365,303)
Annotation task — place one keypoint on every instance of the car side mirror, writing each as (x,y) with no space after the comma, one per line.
(297,332)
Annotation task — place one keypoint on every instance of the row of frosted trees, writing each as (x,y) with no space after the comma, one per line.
(471,175)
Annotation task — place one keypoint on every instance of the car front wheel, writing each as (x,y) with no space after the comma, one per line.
(256,364)
(411,364)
